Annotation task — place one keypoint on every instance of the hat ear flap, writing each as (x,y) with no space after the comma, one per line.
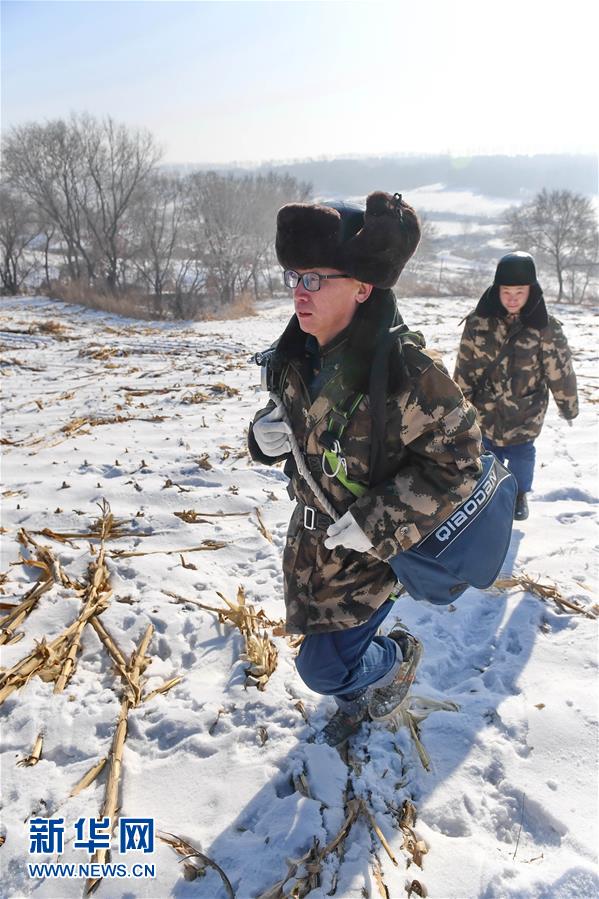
(385,243)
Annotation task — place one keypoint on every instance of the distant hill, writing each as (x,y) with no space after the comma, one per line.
(499,176)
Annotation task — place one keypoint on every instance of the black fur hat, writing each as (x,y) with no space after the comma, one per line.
(512,270)
(372,245)
(515,269)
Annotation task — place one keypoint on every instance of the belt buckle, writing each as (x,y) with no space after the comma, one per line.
(309,518)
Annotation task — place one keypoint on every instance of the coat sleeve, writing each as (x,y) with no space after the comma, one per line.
(439,467)
(468,367)
(254,450)
(558,369)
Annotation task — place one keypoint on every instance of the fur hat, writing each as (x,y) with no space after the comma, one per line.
(515,269)
(372,245)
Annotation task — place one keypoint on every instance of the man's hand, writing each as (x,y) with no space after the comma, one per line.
(348,533)
(272,433)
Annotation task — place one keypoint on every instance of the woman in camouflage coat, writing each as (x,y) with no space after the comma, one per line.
(512,353)
(418,456)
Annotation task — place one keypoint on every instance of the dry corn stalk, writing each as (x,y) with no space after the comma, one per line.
(193,517)
(163,688)
(88,778)
(95,600)
(112,649)
(262,527)
(105,527)
(131,698)
(259,650)
(194,398)
(378,832)
(378,877)
(45,660)
(186,850)
(243,616)
(104,352)
(46,561)
(206,546)
(226,389)
(262,655)
(413,710)
(310,864)
(544,591)
(415,847)
(21,611)
(36,753)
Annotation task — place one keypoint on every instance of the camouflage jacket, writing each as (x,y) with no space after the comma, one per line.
(432,449)
(512,401)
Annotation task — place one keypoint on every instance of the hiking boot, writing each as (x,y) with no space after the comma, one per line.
(346,722)
(521,509)
(384,701)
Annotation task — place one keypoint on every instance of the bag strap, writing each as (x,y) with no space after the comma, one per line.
(339,419)
(504,350)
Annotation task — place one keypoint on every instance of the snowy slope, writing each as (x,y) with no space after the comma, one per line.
(155,420)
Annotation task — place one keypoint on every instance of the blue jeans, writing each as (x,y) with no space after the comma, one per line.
(519,458)
(343,663)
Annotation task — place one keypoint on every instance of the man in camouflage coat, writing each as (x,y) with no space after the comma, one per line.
(417,458)
(512,353)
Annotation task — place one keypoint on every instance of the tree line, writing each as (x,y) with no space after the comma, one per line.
(86,202)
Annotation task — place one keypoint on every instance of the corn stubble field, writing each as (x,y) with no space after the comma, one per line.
(145,667)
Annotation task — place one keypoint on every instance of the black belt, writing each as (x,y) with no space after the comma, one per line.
(315,520)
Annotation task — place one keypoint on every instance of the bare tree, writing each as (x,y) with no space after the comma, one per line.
(82,175)
(116,161)
(18,230)
(219,203)
(43,163)
(235,226)
(560,228)
(266,194)
(157,222)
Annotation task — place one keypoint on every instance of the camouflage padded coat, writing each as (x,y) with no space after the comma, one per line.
(430,465)
(512,401)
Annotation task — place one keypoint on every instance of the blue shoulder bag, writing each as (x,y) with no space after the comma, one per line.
(469,547)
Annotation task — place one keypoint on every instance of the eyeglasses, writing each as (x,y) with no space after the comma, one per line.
(310,280)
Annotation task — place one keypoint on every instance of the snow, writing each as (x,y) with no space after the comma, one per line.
(509,808)
(435,198)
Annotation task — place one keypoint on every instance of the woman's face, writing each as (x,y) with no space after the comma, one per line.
(513,298)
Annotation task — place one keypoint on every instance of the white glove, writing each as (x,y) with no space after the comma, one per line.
(272,433)
(348,533)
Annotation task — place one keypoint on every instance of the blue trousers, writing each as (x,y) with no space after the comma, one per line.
(343,663)
(519,458)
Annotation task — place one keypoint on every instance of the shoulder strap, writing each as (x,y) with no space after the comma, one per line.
(333,462)
(378,387)
(505,348)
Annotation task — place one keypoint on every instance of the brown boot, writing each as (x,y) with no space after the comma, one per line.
(384,701)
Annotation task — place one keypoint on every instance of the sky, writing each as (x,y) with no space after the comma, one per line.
(254,81)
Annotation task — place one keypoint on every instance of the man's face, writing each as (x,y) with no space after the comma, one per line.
(513,298)
(326,312)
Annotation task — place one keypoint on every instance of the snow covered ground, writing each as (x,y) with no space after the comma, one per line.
(151,418)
